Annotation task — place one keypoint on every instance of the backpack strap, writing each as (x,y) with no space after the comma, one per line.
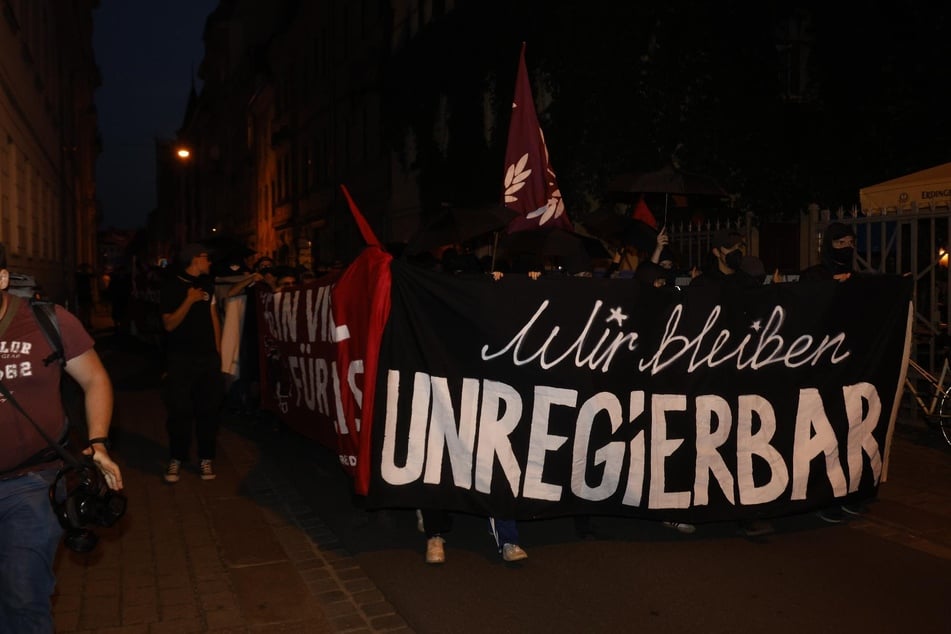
(45,314)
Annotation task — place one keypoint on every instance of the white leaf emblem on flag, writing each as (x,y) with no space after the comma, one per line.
(515,177)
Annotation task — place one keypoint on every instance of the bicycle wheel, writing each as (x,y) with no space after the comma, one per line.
(943,418)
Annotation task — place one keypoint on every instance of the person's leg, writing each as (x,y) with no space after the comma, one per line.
(29,537)
(208,394)
(176,394)
(506,539)
(436,521)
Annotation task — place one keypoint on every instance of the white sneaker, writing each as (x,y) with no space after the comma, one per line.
(173,470)
(513,552)
(207,470)
(683,527)
(435,553)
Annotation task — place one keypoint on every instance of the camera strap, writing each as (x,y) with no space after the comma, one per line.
(67,457)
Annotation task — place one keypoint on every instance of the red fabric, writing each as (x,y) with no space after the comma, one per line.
(643,213)
(361,305)
(529,185)
(368,236)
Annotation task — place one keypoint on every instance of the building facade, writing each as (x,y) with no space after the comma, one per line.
(292,106)
(49,140)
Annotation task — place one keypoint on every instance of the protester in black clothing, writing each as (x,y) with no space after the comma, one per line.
(193,388)
(725,270)
(837,255)
(725,262)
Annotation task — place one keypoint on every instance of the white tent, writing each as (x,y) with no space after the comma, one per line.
(930,187)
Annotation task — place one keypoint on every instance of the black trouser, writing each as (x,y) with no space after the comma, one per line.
(436,522)
(194,389)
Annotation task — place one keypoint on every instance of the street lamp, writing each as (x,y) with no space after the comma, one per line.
(183,153)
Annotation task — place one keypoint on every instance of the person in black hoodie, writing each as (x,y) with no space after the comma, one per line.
(837,255)
(837,263)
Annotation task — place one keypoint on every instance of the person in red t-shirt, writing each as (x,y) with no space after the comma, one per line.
(29,530)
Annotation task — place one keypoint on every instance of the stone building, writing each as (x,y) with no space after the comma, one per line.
(292,106)
(49,140)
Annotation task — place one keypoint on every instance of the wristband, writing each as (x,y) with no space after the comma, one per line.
(101,441)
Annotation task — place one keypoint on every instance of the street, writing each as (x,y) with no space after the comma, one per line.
(278,543)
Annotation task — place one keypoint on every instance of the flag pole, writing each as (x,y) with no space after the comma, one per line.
(495,246)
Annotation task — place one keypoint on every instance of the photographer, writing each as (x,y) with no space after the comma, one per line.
(29,529)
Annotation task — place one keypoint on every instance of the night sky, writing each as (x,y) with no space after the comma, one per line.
(147,51)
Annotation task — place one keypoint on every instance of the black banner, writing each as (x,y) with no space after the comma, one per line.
(524,398)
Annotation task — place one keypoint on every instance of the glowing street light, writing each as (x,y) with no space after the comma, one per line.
(183,153)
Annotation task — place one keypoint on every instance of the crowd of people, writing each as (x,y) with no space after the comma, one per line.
(199,340)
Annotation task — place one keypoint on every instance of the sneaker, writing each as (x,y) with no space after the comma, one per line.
(420,526)
(207,470)
(435,552)
(682,527)
(513,552)
(174,468)
(756,528)
(831,515)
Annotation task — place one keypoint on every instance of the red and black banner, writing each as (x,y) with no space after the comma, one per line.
(523,398)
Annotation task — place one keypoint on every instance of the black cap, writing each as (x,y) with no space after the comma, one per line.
(727,239)
(191,251)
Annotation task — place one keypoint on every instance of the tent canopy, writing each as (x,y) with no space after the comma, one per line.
(931,186)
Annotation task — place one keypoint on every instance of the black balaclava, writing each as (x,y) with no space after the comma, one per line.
(837,260)
(734,259)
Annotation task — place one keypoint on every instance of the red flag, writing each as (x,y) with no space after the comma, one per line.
(368,236)
(643,213)
(529,186)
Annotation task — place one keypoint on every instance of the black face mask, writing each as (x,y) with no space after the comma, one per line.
(841,259)
(734,259)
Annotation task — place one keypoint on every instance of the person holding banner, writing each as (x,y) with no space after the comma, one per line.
(437,522)
(837,255)
(726,261)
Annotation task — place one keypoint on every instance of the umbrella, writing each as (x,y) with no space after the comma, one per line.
(455,225)
(667,180)
(555,242)
(621,229)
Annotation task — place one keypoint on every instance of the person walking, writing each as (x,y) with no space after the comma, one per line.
(194,387)
(29,530)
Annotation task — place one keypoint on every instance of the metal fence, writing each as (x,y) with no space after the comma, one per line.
(910,241)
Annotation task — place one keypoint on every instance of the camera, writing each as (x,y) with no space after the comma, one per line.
(88,502)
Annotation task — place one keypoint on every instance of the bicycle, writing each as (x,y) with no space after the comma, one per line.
(937,411)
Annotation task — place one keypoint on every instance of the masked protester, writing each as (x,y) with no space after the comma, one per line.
(725,264)
(725,269)
(837,263)
(837,255)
